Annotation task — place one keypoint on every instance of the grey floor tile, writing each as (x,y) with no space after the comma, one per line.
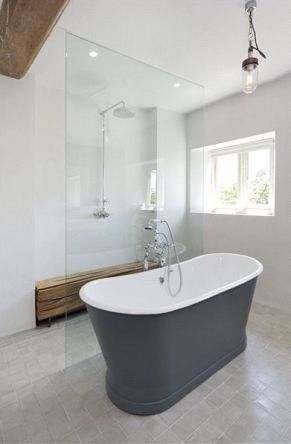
(49,403)
(71,438)
(185,426)
(113,434)
(15,435)
(168,437)
(100,414)
(58,424)
(88,432)
(41,402)
(12,421)
(239,432)
(175,412)
(279,425)
(37,431)
(128,423)
(79,417)
(9,410)
(204,389)
(9,398)
(222,394)
(266,434)
(287,435)
(222,419)
(218,378)
(224,440)
(205,433)
(155,425)
(139,436)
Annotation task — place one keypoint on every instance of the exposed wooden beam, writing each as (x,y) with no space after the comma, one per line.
(24,27)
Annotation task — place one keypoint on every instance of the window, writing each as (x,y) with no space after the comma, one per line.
(239,176)
(152,190)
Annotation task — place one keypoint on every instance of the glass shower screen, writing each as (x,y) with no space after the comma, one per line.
(126,163)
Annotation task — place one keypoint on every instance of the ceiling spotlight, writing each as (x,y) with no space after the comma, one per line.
(250,66)
(176,85)
(93,54)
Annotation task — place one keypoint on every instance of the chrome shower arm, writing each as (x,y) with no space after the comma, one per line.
(111,107)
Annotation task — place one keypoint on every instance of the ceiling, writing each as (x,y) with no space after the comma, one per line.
(111,77)
(204,41)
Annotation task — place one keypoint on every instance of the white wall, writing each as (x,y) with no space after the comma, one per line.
(50,151)
(171,152)
(17,274)
(32,185)
(49,182)
(266,238)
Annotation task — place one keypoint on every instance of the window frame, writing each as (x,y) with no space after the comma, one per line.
(242,148)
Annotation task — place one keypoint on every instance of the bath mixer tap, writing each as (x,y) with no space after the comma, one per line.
(161,249)
(158,248)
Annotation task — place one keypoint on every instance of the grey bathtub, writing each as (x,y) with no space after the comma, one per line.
(158,348)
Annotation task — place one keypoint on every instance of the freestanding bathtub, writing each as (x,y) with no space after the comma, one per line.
(157,347)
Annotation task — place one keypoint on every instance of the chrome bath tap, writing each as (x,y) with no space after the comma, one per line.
(160,249)
(157,248)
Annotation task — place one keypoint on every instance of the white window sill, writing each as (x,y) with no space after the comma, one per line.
(151,209)
(246,212)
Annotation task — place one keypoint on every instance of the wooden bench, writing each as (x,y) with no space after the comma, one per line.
(60,295)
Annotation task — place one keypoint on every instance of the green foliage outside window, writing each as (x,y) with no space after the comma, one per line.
(260,189)
(228,196)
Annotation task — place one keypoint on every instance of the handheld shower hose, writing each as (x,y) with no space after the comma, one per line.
(154,223)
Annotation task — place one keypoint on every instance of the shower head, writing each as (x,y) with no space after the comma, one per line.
(123,112)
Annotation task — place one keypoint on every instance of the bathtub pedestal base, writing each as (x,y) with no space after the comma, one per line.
(155,360)
(153,408)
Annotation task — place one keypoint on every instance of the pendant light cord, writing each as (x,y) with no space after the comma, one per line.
(253,36)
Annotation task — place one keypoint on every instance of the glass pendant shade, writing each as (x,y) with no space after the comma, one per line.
(250,76)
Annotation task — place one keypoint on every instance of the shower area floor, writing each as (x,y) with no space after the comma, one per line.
(41,401)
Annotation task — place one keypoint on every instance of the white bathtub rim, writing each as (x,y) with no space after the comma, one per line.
(89,300)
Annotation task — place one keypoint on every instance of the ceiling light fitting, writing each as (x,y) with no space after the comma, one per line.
(250,66)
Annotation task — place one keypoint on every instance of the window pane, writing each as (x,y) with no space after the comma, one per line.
(259,177)
(153,187)
(227,179)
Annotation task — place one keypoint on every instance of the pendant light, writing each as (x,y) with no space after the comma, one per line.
(250,66)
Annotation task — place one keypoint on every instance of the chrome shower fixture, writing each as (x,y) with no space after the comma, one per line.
(250,66)
(102,214)
(122,112)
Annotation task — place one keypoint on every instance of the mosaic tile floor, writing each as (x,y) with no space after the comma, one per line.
(248,401)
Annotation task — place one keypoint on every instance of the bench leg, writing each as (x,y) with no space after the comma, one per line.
(49,322)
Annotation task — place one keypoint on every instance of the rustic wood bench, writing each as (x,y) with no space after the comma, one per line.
(60,295)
